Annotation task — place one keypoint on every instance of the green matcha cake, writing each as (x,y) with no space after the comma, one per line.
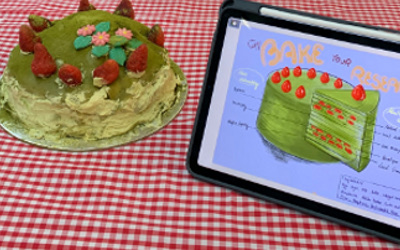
(106,75)
(342,124)
(285,110)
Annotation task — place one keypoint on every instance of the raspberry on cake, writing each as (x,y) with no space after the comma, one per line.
(90,76)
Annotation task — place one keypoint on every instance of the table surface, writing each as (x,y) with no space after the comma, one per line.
(140,196)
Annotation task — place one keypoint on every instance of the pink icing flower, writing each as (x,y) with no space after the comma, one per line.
(100,39)
(86,31)
(125,33)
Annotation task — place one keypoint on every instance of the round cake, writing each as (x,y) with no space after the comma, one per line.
(90,76)
(286,106)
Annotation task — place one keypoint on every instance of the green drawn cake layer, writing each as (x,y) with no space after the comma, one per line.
(283,117)
(342,126)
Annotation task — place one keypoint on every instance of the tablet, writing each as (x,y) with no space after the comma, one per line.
(303,111)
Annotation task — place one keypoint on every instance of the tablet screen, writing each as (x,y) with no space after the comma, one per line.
(311,116)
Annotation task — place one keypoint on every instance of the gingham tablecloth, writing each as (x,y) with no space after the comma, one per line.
(140,196)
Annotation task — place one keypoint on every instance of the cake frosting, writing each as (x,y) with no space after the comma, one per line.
(292,116)
(94,109)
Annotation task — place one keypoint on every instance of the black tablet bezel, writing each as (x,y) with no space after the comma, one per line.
(267,193)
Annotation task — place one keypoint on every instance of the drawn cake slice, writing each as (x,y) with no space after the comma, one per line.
(342,124)
(285,110)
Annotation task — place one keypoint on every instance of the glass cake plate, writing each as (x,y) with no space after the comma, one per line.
(14,127)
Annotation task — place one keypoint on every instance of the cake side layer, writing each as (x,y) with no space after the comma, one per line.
(93,118)
(367,146)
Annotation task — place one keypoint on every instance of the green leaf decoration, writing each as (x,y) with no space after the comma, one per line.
(82,42)
(118,54)
(103,27)
(118,41)
(133,44)
(100,51)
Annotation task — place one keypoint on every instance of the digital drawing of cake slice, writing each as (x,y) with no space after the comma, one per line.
(342,124)
(318,117)
(285,110)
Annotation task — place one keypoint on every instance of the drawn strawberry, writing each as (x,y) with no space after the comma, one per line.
(125,9)
(311,73)
(43,64)
(297,71)
(70,75)
(358,93)
(85,5)
(338,83)
(38,23)
(27,39)
(137,60)
(276,77)
(285,72)
(300,92)
(106,73)
(286,86)
(324,78)
(156,35)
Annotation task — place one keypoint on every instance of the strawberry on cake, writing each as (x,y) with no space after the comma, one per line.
(90,76)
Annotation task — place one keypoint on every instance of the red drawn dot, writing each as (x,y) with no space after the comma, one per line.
(328,106)
(276,78)
(322,103)
(347,145)
(339,146)
(311,73)
(358,93)
(329,112)
(340,117)
(324,78)
(331,142)
(313,127)
(349,151)
(350,122)
(300,92)
(337,139)
(319,130)
(316,134)
(317,107)
(323,138)
(329,136)
(286,86)
(353,118)
(285,72)
(297,71)
(338,110)
(338,83)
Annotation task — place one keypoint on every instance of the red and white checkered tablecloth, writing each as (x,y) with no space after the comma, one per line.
(140,196)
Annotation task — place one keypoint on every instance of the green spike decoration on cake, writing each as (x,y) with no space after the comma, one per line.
(288,117)
(342,124)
